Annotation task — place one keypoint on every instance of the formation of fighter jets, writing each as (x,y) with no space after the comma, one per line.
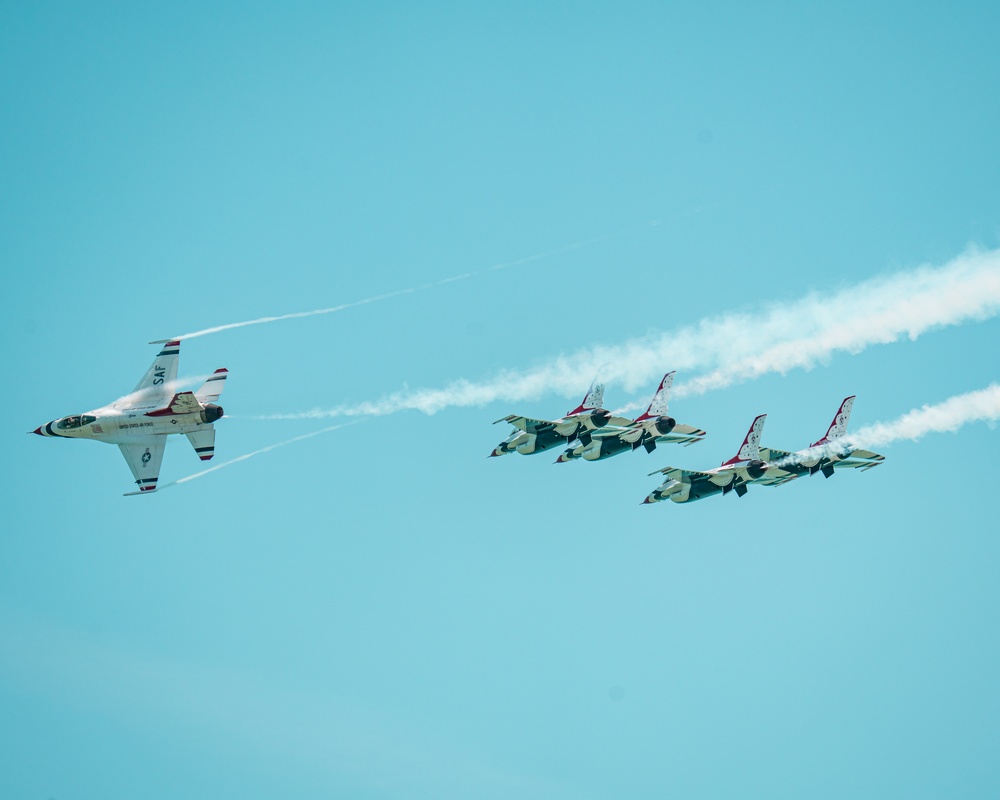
(591,432)
(140,422)
(597,432)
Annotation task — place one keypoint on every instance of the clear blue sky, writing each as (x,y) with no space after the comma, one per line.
(382,611)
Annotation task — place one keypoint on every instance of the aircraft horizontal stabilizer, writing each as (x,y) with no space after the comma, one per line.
(203,442)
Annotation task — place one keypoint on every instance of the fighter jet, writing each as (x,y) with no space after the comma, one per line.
(682,485)
(824,456)
(538,435)
(140,422)
(652,427)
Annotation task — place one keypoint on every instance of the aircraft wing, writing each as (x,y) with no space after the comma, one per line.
(859,459)
(778,479)
(156,386)
(682,434)
(608,432)
(680,474)
(144,457)
(866,454)
(527,424)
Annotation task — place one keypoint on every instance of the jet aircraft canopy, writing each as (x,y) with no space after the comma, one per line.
(74,422)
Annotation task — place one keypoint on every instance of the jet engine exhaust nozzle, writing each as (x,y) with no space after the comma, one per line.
(664,425)
(211,413)
(756,469)
(600,417)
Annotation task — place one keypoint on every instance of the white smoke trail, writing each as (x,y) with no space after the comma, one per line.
(982,405)
(879,311)
(299,314)
(422,287)
(262,450)
(738,347)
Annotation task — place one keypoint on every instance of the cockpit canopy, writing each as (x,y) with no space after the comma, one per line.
(74,422)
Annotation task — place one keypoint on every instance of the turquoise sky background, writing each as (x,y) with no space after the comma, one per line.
(383,612)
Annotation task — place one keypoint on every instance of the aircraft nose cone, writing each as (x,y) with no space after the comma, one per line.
(37,430)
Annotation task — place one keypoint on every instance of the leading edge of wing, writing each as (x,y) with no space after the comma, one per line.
(676,473)
(527,424)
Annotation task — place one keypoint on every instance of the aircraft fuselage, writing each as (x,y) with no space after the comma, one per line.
(114,426)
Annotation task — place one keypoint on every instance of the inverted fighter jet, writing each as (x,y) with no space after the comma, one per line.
(140,422)
(683,486)
(826,455)
(538,435)
(651,428)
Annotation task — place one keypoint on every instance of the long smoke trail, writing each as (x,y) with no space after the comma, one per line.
(738,347)
(425,286)
(982,405)
(262,450)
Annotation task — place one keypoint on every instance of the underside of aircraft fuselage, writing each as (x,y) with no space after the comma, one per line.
(527,443)
(597,449)
(695,490)
(121,428)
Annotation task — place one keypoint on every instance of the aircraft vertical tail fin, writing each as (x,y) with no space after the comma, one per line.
(212,388)
(750,449)
(658,405)
(839,425)
(593,399)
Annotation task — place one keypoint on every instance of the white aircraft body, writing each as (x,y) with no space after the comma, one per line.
(746,467)
(140,422)
(538,435)
(649,429)
(826,455)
